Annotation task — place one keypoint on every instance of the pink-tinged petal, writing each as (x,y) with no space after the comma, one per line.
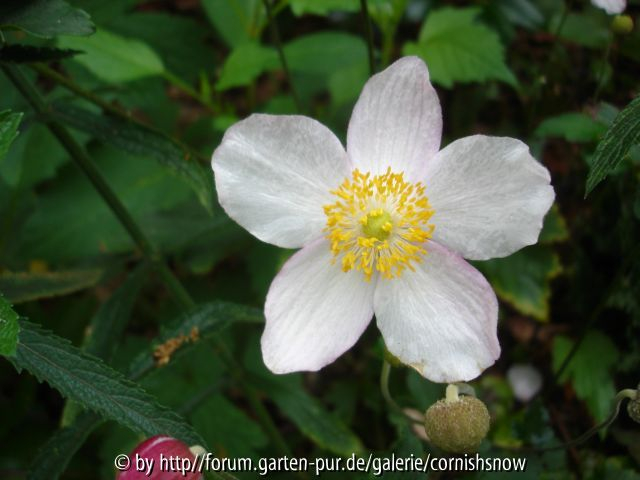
(145,461)
(397,121)
(274,174)
(441,318)
(489,195)
(314,311)
(612,7)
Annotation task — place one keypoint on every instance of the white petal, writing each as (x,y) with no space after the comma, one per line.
(441,319)
(274,173)
(612,7)
(489,194)
(314,311)
(397,121)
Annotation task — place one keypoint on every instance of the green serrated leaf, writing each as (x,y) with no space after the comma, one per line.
(457,48)
(246,63)
(31,54)
(589,370)
(90,382)
(574,127)
(237,21)
(8,130)
(623,134)
(9,328)
(313,419)
(45,18)
(138,140)
(522,279)
(52,458)
(22,287)
(114,58)
(107,326)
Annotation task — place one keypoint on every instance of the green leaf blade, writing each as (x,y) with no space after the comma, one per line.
(114,58)
(90,382)
(45,18)
(623,134)
(589,370)
(523,279)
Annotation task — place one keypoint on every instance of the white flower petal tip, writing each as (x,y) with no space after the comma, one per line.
(274,173)
(440,319)
(612,7)
(397,121)
(525,381)
(489,195)
(314,312)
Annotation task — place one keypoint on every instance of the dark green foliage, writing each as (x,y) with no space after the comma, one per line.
(125,340)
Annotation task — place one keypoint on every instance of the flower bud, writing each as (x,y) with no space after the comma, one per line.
(633,407)
(145,461)
(622,24)
(457,424)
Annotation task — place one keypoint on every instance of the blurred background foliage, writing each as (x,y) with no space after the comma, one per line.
(148,87)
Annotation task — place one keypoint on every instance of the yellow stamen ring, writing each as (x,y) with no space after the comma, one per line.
(378,223)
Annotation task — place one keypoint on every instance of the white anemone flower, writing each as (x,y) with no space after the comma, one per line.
(384,227)
(612,7)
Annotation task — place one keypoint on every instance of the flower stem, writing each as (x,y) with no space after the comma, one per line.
(275,34)
(84,162)
(384,386)
(364,8)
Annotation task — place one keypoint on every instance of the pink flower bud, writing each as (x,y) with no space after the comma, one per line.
(158,458)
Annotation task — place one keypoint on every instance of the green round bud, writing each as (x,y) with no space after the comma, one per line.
(633,407)
(457,426)
(622,24)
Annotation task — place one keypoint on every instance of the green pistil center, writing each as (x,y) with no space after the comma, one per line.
(377,223)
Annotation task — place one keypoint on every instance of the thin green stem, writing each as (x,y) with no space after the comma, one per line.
(83,161)
(628,393)
(275,34)
(364,8)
